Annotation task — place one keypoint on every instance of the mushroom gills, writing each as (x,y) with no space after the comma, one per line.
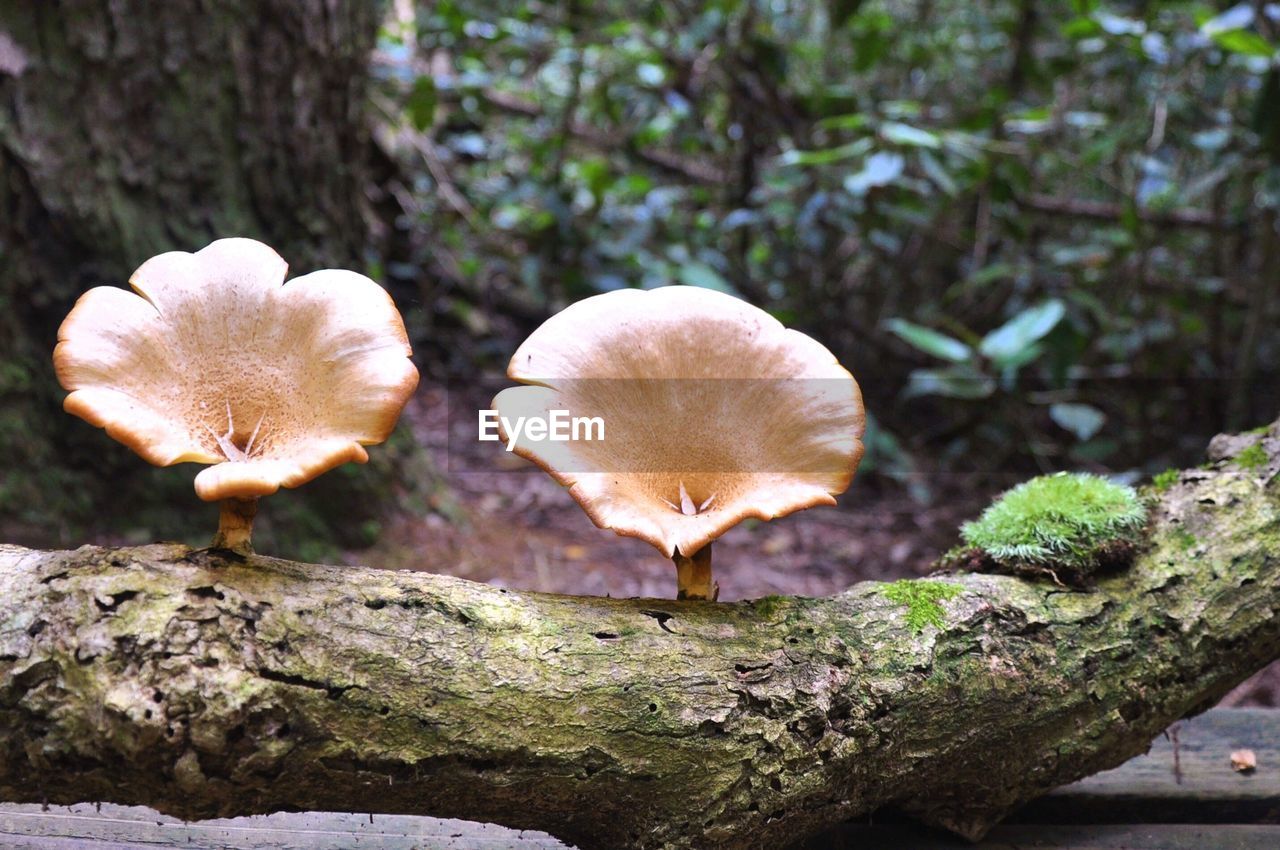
(236,515)
(687,506)
(226,442)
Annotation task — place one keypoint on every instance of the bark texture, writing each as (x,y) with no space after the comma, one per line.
(204,685)
(128,128)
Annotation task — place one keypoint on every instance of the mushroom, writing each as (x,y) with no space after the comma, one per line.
(217,361)
(713,412)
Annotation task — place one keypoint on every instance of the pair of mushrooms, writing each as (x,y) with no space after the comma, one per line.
(715,411)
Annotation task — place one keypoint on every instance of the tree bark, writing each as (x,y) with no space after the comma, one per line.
(205,685)
(129,128)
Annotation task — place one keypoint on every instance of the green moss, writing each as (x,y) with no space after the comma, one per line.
(1164,480)
(1260,430)
(1066,520)
(923,599)
(767,606)
(1252,458)
(1184,539)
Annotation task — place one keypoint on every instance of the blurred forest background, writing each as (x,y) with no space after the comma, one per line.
(1042,236)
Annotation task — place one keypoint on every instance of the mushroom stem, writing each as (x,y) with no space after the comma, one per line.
(693,575)
(235,524)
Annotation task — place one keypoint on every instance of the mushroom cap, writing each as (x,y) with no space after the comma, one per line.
(216,360)
(709,404)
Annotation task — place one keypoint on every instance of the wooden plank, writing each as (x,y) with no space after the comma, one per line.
(1073,837)
(133,828)
(89,827)
(1190,782)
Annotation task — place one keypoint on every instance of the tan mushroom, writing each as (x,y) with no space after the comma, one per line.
(713,412)
(217,360)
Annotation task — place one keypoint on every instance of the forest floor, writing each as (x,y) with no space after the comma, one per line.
(507,523)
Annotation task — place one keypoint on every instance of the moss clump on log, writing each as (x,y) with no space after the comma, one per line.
(1065,526)
(1252,458)
(1164,480)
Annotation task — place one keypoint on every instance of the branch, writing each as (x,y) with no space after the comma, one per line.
(204,686)
(1102,211)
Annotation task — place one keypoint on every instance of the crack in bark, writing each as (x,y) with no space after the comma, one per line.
(331,690)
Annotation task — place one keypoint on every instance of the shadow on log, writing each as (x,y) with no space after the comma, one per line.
(207,686)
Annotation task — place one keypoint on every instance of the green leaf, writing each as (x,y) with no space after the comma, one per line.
(992,273)
(842,11)
(1010,343)
(929,341)
(1212,140)
(421,103)
(937,173)
(1081,27)
(1117,25)
(829,155)
(881,169)
(701,274)
(633,185)
(595,173)
(905,134)
(1083,420)
(1030,121)
(1244,42)
(952,382)
(1009,367)
(1237,17)
(852,121)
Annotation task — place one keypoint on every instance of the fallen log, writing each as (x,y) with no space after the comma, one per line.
(204,684)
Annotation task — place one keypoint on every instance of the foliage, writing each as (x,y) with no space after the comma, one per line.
(1057,519)
(1091,184)
(923,599)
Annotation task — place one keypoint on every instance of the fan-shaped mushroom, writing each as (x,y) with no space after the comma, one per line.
(216,360)
(714,412)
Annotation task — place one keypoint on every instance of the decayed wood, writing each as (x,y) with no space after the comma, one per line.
(1199,788)
(207,686)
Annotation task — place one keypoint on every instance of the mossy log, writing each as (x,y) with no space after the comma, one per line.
(205,685)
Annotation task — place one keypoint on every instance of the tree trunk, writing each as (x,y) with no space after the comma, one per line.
(209,686)
(128,128)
